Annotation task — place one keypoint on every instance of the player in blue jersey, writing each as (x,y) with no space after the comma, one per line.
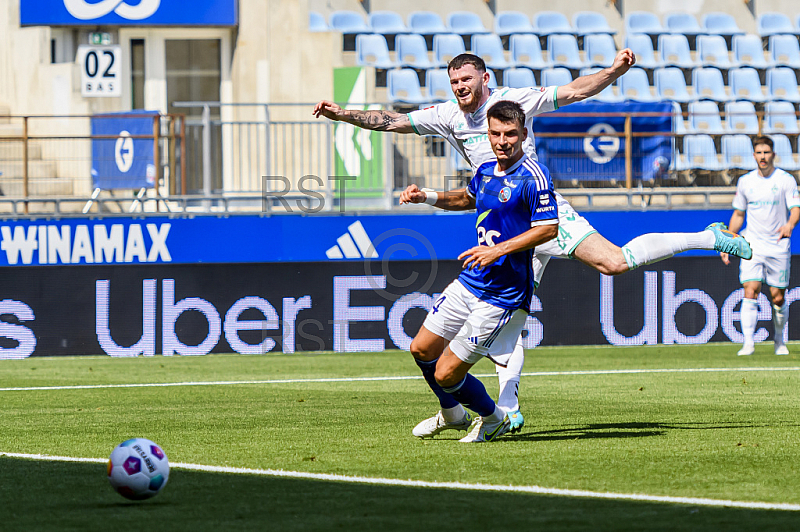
(482,313)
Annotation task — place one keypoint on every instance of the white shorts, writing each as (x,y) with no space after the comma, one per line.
(772,270)
(475,328)
(572,230)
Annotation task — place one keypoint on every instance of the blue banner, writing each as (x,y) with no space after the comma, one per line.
(123,161)
(600,158)
(128,12)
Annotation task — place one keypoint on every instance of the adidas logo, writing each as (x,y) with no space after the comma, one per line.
(354,244)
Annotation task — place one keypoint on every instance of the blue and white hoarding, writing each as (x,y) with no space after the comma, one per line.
(128,13)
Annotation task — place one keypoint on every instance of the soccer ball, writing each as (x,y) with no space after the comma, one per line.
(138,469)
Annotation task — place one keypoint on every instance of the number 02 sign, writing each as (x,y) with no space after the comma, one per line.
(100,71)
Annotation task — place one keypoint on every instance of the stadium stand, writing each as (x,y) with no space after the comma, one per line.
(700,153)
(745,84)
(721,24)
(782,84)
(748,51)
(684,23)
(548,23)
(780,117)
(642,46)
(348,22)
(643,22)
(465,23)
(599,50)
(635,86)
(678,123)
(412,51)
(784,156)
(741,117)
(519,78)
(713,52)
(768,24)
(490,48)
(512,22)
(737,152)
(387,23)
(446,46)
(674,50)
(426,23)
(590,23)
(558,76)
(784,50)
(704,118)
(316,22)
(403,87)
(438,84)
(372,50)
(708,84)
(562,50)
(526,51)
(670,84)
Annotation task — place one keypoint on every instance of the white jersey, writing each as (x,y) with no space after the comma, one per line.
(767,201)
(467,133)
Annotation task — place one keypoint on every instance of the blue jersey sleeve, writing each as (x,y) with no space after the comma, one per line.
(540,196)
(474,183)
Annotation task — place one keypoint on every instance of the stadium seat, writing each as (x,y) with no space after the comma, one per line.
(403,86)
(708,84)
(712,51)
(737,152)
(721,24)
(671,85)
(372,50)
(678,123)
(446,46)
(426,23)
(591,22)
(745,84)
(562,50)
(774,24)
(674,50)
(413,52)
(741,117)
(780,117)
(608,95)
(643,22)
(704,118)
(492,79)
(465,23)
(512,22)
(700,153)
(316,22)
(526,51)
(437,81)
(548,23)
(784,158)
(490,49)
(642,46)
(782,85)
(558,77)
(683,23)
(599,49)
(784,50)
(635,86)
(387,23)
(748,51)
(519,78)
(348,22)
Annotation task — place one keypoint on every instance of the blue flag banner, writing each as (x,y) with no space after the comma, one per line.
(600,156)
(123,160)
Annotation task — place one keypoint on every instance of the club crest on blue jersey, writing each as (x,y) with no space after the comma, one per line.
(505,194)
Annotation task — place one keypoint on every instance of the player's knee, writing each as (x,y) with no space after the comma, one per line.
(778,300)
(445,377)
(421,351)
(612,266)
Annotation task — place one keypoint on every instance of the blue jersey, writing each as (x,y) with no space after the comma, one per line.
(509,204)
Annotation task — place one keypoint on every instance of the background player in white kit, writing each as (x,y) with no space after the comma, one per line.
(462,122)
(771,202)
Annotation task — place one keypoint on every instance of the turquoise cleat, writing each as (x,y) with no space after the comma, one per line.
(729,242)
(516,421)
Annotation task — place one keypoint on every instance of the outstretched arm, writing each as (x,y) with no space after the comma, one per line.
(452,200)
(483,256)
(586,86)
(375,120)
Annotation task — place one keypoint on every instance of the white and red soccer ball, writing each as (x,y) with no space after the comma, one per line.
(138,469)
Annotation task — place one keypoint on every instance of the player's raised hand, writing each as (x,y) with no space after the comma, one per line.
(479,257)
(624,60)
(327,109)
(412,194)
(725,258)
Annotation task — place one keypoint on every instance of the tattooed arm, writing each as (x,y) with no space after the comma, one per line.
(375,120)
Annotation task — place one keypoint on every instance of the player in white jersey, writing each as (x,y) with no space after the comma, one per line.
(769,198)
(463,123)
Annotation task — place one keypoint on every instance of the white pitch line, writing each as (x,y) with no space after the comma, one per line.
(378,379)
(538,490)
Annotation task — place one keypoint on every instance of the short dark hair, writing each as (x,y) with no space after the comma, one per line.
(466,59)
(507,111)
(763,139)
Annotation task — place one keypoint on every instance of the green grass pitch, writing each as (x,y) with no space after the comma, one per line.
(693,422)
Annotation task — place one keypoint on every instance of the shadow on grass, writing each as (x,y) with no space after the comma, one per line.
(623,430)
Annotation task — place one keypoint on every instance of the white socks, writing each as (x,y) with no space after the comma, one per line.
(779,321)
(455,414)
(509,380)
(748,318)
(653,247)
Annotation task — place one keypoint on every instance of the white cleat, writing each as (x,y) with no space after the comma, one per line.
(483,431)
(432,426)
(781,349)
(747,349)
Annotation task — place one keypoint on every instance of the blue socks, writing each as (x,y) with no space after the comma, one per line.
(471,393)
(428,370)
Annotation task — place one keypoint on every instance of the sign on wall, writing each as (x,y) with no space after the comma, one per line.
(128,13)
(100,71)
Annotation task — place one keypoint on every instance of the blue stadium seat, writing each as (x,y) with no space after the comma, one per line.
(608,95)
(737,152)
(700,153)
(446,46)
(403,86)
(748,51)
(437,81)
(784,50)
(348,22)
(591,22)
(599,49)
(426,23)
(780,117)
(635,86)
(562,50)
(412,51)
(674,50)
(712,51)
(784,158)
(387,23)
(782,85)
(527,51)
(519,78)
(558,76)
(704,118)
(316,22)
(372,50)
(492,79)
(642,46)
(548,23)
(721,24)
(774,24)
(643,22)
(490,49)
(708,84)
(741,117)
(671,85)
(465,23)
(512,22)
(684,23)
(745,84)
(678,123)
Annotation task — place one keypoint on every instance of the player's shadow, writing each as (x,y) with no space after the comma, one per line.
(621,430)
